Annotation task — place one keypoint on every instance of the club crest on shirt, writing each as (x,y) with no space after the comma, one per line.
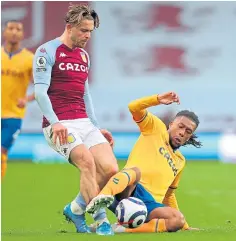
(83,56)
(71,138)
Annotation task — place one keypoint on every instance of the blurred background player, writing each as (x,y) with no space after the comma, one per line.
(61,68)
(16,77)
(154,166)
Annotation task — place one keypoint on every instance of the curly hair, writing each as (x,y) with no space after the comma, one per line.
(79,12)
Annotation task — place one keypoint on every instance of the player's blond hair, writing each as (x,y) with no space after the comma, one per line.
(79,12)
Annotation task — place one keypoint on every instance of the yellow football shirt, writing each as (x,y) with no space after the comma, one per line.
(16,76)
(160,166)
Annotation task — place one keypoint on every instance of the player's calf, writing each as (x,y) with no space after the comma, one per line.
(82,158)
(106,163)
(171,224)
(117,184)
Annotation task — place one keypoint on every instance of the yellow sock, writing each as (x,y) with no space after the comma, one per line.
(3,164)
(161,226)
(153,226)
(149,227)
(119,182)
(186,226)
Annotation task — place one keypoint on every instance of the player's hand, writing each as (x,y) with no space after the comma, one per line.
(168,98)
(22,103)
(108,136)
(60,132)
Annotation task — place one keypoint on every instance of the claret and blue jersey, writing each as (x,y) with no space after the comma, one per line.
(65,72)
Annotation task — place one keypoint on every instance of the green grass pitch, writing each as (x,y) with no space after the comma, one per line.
(33,196)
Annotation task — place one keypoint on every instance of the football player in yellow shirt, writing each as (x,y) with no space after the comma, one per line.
(16,77)
(154,167)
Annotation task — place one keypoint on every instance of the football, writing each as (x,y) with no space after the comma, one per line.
(131,212)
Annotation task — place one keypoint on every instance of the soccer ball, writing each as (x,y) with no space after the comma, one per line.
(131,212)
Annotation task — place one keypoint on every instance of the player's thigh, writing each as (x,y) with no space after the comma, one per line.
(10,130)
(82,158)
(74,151)
(102,152)
(74,140)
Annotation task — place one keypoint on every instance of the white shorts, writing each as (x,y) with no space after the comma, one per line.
(80,131)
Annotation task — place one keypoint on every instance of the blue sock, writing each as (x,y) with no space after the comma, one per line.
(100,215)
(80,201)
(78,205)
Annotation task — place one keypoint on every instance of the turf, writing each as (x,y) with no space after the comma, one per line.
(33,196)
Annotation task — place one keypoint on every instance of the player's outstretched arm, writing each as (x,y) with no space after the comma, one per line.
(138,107)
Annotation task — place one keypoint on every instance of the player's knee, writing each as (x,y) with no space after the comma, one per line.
(177,221)
(106,163)
(110,170)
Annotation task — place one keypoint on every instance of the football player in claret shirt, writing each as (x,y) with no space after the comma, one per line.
(154,167)
(16,76)
(61,68)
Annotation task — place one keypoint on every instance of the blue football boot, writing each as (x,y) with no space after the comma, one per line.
(78,220)
(105,229)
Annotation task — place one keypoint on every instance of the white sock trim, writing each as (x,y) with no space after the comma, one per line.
(76,208)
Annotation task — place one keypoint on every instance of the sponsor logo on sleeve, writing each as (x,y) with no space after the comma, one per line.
(41,63)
